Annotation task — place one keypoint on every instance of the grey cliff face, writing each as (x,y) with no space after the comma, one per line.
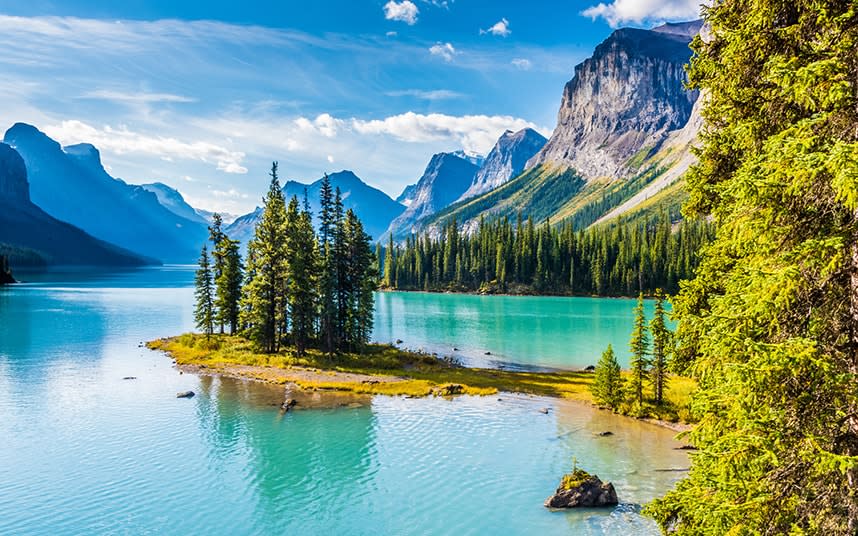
(506,160)
(446,178)
(13,176)
(624,99)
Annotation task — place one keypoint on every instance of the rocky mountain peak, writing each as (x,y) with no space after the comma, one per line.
(506,160)
(24,134)
(623,101)
(13,176)
(445,179)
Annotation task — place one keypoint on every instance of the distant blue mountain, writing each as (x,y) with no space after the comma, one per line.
(172,200)
(374,208)
(71,185)
(30,236)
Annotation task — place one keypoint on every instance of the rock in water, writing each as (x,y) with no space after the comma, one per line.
(288,404)
(581,489)
(185,394)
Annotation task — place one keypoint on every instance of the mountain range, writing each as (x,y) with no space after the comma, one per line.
(374,208)
(625,127)
(29,236)
(71,184)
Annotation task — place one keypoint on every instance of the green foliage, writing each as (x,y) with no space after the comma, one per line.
(521,257)
(639,346)
(607,385)
(302,290)
(263,305)
(661,348)
(769,326)
(228,276)
(204,312)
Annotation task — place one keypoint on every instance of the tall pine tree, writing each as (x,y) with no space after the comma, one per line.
(661,342)
(639,346)
(204,312)
(264,296)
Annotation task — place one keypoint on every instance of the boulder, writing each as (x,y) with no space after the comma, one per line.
(590,368)
(185,394)
(288,404)
(580,489)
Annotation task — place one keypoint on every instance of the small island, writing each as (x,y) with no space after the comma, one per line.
(5,271)
(383,369)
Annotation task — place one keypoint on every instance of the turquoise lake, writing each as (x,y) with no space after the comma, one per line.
(86,452)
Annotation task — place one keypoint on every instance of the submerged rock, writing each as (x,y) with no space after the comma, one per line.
(604,434)
(581,489)
(185,394)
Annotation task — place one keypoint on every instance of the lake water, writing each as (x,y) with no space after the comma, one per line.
(534,331)
(83,451)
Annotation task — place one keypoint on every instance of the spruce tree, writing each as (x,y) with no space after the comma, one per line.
(607,385)
(661,342)
(769,326)
(639,346)
(303,266)
(204,312)
(264,296)
(216,236)
(228,285)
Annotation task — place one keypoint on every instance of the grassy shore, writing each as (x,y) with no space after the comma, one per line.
(387,370)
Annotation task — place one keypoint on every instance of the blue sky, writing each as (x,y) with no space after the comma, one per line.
(203,95)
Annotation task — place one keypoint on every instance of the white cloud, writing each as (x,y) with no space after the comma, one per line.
(123,141)
(391,34)
(324,124)
(476,133)
(444,50)
(621,12)
(430,95)
(522,63)
(331,159)
(232,192)
(404,11)
(119,96)
(500,28)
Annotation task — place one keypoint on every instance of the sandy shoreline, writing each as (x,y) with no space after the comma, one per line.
(294,377)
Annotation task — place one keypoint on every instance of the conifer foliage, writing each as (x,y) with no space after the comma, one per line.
(298,290)
(769,326)
(639,346)
(204,312)
(608,383)
(609,260)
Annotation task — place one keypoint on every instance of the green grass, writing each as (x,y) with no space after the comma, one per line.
(415,373)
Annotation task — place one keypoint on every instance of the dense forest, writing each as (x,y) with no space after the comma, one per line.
(299,288)
(522,257)
(769,325)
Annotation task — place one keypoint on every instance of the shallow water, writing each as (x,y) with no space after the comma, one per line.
(84,451)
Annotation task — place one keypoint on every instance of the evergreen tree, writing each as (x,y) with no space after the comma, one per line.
(359,282)
(769,326)
(227,273)
(204,312)
(639,346)
(661,341)
(302,265)
(264,310)
(228,285)
(216,236)
(607,385)
(328,276)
